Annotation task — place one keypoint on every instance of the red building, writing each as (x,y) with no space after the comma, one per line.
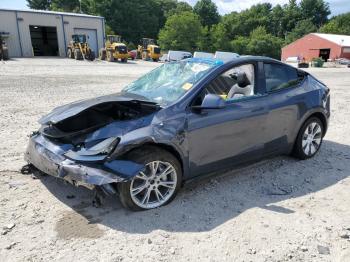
(326,46)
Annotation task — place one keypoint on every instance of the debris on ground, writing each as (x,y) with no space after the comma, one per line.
(10,246)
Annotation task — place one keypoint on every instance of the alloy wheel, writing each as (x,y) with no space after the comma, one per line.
(312,138)
(154,186)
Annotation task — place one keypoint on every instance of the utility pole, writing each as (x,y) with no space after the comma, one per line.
(80,7)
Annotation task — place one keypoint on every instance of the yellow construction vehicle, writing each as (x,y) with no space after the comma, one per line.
(4,54)
(79,48)
(148,50)
(114,49)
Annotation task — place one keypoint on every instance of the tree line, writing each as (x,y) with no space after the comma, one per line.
(260,30)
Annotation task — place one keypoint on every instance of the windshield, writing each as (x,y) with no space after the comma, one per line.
(115,39)
(79,38)
(170,81)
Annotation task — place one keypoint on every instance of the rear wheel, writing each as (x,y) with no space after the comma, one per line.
(309,139)
(156,185)
(124,60)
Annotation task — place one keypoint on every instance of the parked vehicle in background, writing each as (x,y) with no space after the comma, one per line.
(132,54)
(343,61)
(181,121)
(114,49)
(177,55)
(203,55)
(293,61)
(297,62)
(225,56)
(163,58)
(78,48)
(148,50)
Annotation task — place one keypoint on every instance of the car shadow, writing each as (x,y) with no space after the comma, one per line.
(215,200)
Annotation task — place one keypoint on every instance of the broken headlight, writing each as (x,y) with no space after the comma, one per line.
(94,153)
(103,148)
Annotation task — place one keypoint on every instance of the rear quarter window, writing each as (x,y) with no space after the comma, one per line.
(279,77)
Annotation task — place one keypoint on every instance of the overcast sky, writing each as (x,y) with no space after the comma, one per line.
(225,6)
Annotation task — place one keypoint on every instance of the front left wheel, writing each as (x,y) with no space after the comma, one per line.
(156,185)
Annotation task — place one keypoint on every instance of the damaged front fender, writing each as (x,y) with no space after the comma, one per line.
(49,158)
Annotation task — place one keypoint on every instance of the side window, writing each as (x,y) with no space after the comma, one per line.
(233,84)
(279,76)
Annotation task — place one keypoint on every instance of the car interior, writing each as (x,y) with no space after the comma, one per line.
(233,84)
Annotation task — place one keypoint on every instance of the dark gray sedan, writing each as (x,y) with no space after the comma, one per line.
(179,122)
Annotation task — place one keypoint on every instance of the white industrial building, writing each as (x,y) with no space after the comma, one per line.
(46,33)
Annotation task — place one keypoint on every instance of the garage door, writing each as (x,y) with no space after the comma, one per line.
(92,36)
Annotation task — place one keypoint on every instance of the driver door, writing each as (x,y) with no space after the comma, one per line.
(220,138)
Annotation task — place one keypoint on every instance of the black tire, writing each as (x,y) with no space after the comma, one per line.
(110,57)
(124,60)
(5,54)
(155,59)
(298,148)
(146,155)
(92,56)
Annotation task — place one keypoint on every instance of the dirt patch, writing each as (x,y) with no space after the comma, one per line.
(73,225)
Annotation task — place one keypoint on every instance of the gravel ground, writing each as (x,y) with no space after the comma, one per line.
(280,209)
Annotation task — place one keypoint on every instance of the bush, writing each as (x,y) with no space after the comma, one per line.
(317,62)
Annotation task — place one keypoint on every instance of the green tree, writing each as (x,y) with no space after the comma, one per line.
(219,38)
(263,43)
(180,7)
(163,8)
(207,11)
(181,31)
(132,19)
(292,14)
(38,4)
(302,28)
(316,10)
(276,21)
(205,41)
(337,25)
(245,22)
(240,45)
(65,5)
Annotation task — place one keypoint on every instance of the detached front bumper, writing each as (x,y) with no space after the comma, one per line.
(49,158)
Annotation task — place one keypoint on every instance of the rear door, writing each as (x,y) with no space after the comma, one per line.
(285,103)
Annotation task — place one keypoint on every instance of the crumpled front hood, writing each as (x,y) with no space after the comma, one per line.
(60,113)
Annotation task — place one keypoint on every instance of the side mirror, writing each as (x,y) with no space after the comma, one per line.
(211,101)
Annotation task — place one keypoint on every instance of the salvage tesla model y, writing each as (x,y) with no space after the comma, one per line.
(181,121)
